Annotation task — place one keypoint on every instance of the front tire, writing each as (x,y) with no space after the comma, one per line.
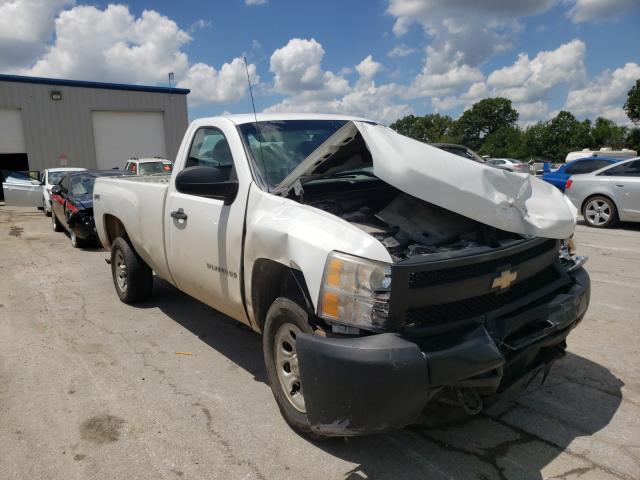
(285,321)
(600,212)
(55,224)
(47,211)
(132,277)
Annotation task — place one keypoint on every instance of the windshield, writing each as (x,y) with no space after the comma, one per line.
(277,147)
(55,177)
(149,168)
(82,185)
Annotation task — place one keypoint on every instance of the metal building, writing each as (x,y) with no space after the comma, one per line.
(48,122)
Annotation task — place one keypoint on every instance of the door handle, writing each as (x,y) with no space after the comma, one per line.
(619,184)
(179,214)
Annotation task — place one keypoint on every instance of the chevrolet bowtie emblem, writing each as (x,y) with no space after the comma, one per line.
(504,280)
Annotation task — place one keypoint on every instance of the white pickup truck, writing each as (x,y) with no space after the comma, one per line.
(380,271)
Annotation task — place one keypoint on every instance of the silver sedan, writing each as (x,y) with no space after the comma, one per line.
(510,164)
(607,195)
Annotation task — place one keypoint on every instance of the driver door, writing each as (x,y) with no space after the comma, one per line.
(20,190)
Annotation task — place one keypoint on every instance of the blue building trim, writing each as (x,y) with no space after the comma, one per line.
(86,84)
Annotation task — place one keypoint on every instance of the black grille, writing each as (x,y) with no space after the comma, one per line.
(437,277)
(434,315)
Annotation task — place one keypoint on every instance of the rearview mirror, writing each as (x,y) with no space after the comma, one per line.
(55,190)
(209,182)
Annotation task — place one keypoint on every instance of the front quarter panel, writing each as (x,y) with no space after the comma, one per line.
(301,237)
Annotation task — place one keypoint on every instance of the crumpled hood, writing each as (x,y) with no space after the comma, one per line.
(514,202)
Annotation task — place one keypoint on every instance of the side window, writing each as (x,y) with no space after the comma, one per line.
(209,148)
(586,166)
(616,171)
(633,169)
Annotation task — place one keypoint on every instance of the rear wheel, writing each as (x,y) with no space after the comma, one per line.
(599,212)
(55,224)
(76,242)
(285,321)
(132,277)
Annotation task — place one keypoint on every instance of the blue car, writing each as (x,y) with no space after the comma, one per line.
(558,178)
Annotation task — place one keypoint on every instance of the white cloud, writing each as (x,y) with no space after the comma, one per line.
(464,31)
(226,85)
(368,68)
(114,45)
(199,24)
(428,84)
(604,96)
(598,10)
(254,2)
(25,27)
(528,80)
(400,51)
(297,70)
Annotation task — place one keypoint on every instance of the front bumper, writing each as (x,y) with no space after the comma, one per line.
(355,386)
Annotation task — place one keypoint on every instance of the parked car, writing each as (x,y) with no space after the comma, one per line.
(378,269)
(459,150)
(510,164)
(72,205)
(607,195)
(21,189)
(558,177)
(148,166)
(50,177)
(608,152)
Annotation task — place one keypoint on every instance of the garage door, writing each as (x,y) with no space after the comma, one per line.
(121,135)
(11,134)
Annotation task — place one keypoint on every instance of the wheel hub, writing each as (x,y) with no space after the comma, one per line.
(287,366)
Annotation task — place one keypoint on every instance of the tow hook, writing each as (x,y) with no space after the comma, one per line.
(469,400)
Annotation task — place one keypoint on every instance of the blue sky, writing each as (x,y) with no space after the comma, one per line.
(376,58)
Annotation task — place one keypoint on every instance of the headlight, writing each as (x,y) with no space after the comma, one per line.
(355,291)
(570,261)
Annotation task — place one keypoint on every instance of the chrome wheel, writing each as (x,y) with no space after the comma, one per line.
(598,212)
(121,271)
(74,238)
(287,364)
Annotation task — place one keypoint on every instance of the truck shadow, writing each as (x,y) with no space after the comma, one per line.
(516,439)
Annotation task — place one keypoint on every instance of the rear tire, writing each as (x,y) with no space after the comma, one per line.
(285,319)
(132,277)
(56,225)
(76,242)
(599,212)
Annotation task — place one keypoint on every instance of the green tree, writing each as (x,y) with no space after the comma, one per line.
(482,119)
(606,133)
(430,128)
(504,142)
(555,138)
(633,139)
(632,105)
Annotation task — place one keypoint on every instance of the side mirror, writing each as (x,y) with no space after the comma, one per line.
(55,190)
(207,182)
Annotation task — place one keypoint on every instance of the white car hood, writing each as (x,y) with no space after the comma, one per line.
(514,202)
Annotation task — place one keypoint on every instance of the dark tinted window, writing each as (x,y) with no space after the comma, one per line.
(633,169)
(615,171)
(586,166)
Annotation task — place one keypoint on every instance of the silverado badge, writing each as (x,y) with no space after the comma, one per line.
(505,279)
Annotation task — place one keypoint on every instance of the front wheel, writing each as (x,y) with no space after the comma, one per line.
(600,212)
(55,224)
(285,321)
(76,242)
(132,277)
(46,209)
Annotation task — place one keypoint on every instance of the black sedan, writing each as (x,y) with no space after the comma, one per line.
(72,205)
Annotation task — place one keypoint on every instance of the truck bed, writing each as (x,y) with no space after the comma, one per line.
(138,202)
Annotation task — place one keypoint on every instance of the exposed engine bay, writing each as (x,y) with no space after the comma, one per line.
(405,225)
